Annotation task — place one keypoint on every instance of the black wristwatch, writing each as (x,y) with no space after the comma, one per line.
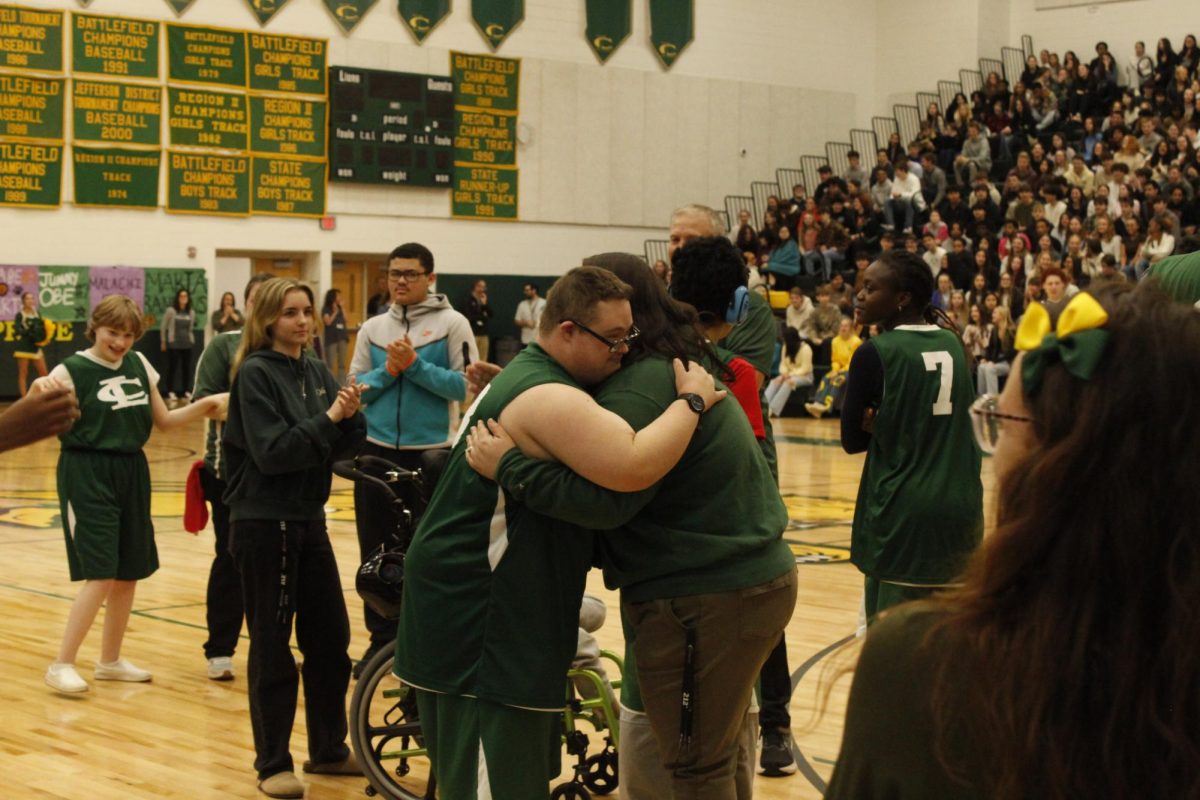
(695,402)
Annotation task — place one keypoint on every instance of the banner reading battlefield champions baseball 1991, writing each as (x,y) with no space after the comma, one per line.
(497,18)
(422,16)
(608,25)
(671,28)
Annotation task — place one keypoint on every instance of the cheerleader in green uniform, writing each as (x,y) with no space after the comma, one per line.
(32,333)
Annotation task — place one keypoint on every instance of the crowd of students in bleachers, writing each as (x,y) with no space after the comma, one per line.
(1078,172)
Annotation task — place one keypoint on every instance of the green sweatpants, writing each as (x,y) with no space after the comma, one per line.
(487,751)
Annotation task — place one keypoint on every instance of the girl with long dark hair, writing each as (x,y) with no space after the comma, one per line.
(178,338)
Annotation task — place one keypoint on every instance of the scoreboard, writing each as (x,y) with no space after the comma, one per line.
(390,127)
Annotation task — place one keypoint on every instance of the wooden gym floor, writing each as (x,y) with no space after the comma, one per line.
(186,736)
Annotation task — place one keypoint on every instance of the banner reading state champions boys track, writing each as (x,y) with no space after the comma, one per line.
(485,144)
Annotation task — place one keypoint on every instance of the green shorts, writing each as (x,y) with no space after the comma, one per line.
(484,749)
(105,505)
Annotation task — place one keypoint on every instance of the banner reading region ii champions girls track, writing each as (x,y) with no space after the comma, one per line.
(485,145)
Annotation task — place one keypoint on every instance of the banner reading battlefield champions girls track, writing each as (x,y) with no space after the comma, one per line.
(31,39)
(287,64)
(422,16)
(497,18)
(485,107)
(670,28)
(608,25)
(31,108)
(214,56)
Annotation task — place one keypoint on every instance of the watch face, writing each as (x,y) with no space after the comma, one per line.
(696,402)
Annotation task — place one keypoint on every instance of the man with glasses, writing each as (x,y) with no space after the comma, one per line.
(490,615)
(411,358)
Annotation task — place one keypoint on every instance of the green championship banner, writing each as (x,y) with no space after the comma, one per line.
(488,193)
(30,175)
(129,113)
(348,13)
(265,9)
(422,16)
(199,183)
(288,187)
(670,28)
(116,46)
(287,64)
(111,177)
(608,25)
(287,125)
(206,55)
(179,6)
(31,108)
(485,153)
(485,82)
(63,293)
(485,137)
(497,18)
(200,118)
(31,39)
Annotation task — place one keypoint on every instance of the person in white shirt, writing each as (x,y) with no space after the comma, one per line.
(529,314)
(905,197)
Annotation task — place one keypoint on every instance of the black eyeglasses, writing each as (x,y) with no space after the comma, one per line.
(408,275)
(613,344)
(985,422)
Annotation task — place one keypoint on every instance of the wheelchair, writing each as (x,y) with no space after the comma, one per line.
(385,728)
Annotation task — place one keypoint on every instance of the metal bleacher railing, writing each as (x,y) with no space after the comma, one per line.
(905,120)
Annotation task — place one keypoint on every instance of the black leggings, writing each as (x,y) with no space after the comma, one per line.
(179,371)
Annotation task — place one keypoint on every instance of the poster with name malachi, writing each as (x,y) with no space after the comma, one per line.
(103,281)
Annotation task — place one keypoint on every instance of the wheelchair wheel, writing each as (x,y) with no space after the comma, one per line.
(386,734)
(600,772)
(570,791)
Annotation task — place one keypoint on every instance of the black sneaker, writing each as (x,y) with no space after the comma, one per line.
(371,650)
(776,757)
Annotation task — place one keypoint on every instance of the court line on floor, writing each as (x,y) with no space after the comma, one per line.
(802,763)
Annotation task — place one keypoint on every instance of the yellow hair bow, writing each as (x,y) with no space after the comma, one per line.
(1077,341)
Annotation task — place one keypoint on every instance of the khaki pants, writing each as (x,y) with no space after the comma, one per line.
(732,633)
(481,342)
(643,776)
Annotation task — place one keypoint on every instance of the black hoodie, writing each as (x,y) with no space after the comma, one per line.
(278,442)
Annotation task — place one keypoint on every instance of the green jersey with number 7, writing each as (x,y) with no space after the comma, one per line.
(919,513)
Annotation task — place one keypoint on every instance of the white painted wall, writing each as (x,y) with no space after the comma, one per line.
(614,148)
(1080,25)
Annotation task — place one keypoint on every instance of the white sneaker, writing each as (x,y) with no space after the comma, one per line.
(121,670)
(220,668)
(65,678)
(817,410)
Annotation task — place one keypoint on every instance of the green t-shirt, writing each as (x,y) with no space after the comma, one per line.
(714,523)
(114,403)
(492,588)
(919,513)
(888,742)
(212,377)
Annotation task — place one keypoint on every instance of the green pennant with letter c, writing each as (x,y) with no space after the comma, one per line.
(608,25)
(265,9)
(497,18)
(671,28)
(348,13)
(422,16)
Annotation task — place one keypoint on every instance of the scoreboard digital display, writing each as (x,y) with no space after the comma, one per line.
(390,127)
